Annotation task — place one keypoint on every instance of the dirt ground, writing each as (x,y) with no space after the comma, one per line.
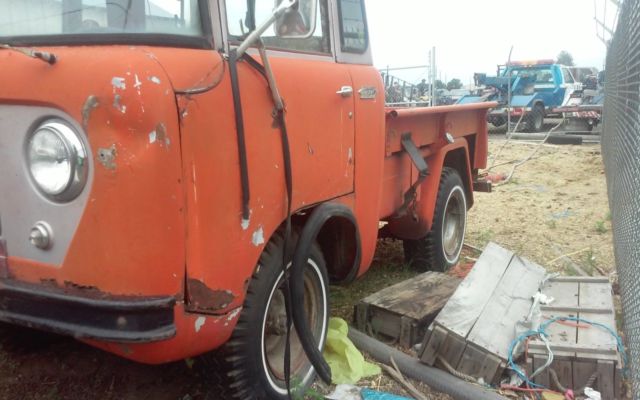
(554,205)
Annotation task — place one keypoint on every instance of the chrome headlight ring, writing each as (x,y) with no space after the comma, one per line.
(57,160)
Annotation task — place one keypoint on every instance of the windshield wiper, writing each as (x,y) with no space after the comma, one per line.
(47,57)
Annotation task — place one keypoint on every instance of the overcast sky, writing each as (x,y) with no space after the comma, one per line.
(474,36)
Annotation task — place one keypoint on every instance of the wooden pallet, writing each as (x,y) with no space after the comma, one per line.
(475,328)
(580,352)
(402,312)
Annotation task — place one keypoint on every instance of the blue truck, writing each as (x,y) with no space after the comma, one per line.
(537,88)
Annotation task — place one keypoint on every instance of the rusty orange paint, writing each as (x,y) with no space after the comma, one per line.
(164,209)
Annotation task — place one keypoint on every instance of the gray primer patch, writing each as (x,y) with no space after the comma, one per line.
(118,83)
(117,105)
(258,237)
(107,157)
(21,204)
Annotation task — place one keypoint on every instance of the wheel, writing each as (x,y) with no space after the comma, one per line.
(254,356)
(535,120)
(498,121)
(440,249)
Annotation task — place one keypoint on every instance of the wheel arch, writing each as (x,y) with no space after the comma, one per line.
(454,155)
(458,159)
(338,237)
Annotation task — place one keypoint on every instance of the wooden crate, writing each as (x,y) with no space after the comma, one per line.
(580,352)
(402,312)
(473,331)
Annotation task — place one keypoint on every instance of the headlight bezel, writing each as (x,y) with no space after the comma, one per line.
(78,159)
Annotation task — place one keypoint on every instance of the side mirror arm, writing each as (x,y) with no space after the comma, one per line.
(257,33)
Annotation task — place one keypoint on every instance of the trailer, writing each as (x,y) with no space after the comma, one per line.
(178,182)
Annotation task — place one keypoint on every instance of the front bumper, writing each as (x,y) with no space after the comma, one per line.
(87,313)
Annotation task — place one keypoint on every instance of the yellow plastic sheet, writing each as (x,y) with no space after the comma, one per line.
(347,363)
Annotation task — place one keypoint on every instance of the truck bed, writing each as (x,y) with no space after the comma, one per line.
(428,127)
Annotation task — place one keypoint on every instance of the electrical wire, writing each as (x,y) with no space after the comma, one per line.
(541,332)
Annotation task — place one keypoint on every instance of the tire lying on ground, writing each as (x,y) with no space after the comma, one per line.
(564,139)
(253,359)
(440,249)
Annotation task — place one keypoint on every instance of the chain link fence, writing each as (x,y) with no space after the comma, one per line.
(621,153)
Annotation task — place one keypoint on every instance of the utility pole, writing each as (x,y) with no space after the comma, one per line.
(433,74)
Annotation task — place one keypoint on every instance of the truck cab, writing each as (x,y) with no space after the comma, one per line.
(186,176)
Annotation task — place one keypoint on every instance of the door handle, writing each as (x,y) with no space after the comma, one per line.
(345,91)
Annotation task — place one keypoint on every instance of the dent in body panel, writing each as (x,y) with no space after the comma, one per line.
(91,103)
(107,157)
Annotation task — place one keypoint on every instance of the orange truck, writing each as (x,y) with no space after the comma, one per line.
(183,176)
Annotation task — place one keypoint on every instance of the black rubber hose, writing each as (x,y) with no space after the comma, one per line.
(310,232)
(437,379)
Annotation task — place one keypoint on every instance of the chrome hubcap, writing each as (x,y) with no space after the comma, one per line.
(453,225)
(274,330)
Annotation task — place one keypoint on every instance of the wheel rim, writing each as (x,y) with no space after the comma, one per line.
(454,224)
(274,330)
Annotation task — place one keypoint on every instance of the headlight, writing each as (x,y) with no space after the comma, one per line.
(57,161)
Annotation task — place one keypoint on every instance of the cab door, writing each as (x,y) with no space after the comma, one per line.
(318,95)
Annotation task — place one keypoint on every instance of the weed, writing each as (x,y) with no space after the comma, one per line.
(600,227)
(608,217)
(484,237)
(589,261)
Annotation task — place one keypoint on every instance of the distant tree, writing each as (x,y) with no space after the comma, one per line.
(455,83)
(440,84)
(565,58)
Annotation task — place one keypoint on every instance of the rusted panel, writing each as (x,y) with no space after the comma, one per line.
(203,298)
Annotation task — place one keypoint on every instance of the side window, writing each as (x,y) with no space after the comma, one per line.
(353,26)
(544,76)
(568,78)
(239,22)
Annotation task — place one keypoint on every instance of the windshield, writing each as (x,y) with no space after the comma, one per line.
(86,18)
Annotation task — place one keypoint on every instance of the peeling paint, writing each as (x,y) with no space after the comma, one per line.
(201,297)
(118,83)
(161,130)
(154,79)
(117,105)
(89,104)
(107,157)
(199,323)
(350,157)
(310,149)
(234,314)
(159,135)
(258,237)
(137,83)
(245,224)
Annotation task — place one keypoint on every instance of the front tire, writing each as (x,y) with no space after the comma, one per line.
(254,356)
(440,249)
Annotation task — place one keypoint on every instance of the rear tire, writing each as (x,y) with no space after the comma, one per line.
(535,120)
(440,249)
(254,356)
